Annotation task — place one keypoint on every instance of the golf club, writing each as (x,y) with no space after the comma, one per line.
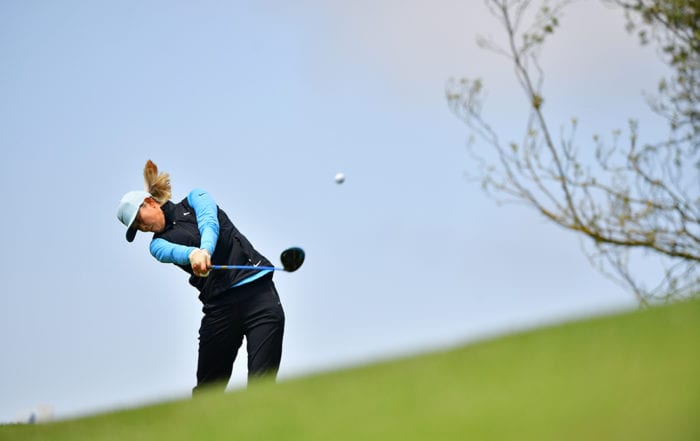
(291,259)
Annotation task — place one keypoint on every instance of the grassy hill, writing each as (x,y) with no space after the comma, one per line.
(634,377)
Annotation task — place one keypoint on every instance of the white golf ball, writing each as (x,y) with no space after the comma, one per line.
(339,178)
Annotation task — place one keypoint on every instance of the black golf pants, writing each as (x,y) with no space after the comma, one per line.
(254,312)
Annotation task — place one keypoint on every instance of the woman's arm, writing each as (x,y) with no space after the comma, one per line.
(168,252)
(207,218)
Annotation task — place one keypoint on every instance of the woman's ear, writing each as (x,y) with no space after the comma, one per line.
(151,202)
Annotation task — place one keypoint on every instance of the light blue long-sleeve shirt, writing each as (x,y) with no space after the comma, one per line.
(206,212)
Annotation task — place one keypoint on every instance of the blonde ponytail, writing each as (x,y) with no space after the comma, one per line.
(158,184)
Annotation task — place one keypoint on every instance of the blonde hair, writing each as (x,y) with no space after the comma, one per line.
(157,184)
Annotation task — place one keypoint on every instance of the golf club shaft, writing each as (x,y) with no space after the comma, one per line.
(250,267)
(291,258)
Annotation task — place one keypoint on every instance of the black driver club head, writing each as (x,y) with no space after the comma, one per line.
(292,258)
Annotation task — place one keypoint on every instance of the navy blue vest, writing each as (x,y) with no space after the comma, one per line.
(232,248)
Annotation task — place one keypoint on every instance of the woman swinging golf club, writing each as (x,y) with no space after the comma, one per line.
(239,301)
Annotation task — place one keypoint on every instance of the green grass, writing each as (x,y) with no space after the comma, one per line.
(627,377)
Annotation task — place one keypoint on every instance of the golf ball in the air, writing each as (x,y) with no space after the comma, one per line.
(339,178)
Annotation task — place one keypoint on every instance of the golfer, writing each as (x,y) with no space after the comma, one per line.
(192,234)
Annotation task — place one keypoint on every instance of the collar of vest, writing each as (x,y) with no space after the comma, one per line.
(169,211)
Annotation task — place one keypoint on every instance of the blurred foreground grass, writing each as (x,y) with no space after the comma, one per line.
(631,376)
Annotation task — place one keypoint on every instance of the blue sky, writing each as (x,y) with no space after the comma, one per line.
(262,103)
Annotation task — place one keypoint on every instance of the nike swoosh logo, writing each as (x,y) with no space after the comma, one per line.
(185,213)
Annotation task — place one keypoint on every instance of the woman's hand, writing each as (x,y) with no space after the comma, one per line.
(200,261)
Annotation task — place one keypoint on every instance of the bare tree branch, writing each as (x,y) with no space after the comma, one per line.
(625,198)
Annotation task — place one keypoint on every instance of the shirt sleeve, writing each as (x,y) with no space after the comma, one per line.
(168,252)
(207,218)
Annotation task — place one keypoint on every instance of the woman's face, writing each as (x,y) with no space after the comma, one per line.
(150,218)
